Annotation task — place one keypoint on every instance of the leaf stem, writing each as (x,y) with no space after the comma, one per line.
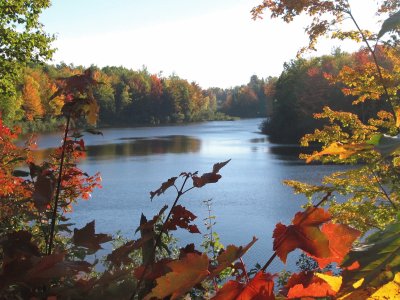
(159,235)
(58,189)
(383,190)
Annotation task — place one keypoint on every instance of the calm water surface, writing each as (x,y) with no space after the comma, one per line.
(248,201)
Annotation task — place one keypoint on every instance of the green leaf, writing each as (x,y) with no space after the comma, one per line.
(391,24)
(374,140)
(378,260)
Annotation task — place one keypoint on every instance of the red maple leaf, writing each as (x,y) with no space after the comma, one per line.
(305,284)
(341,238)
(261,287)
(181,217)
(304,233)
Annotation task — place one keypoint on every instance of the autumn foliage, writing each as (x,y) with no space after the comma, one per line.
(43,257)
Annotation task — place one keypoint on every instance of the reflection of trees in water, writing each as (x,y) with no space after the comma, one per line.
(289,152)
(144,146)
(136,147)
(258,140)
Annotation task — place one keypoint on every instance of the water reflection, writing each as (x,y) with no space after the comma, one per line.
(258,140)
(136,147)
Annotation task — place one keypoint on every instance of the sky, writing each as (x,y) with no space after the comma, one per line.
(212,42)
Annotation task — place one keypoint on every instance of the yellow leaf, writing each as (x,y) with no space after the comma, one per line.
(397,112)
(335,282)
(332,149)
(358,294)
(357,284)
(343,150)
(389,291)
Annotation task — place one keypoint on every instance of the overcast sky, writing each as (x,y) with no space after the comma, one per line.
(212,42)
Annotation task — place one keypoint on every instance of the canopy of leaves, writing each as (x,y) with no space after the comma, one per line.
(22,40)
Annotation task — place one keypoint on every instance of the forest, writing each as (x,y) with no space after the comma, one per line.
(348,234)
(127,98)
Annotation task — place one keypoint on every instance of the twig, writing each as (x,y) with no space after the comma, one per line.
(159,235)
(383,189)
(58,189)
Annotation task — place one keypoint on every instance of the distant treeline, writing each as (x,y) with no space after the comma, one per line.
(304,87)
(129,97)
(136,97)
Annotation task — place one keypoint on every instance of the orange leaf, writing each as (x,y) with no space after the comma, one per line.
(186,273)
(230,291)
(305,284)
(303,234)
(397,111)
(343,150)
(261,287)
(341,238)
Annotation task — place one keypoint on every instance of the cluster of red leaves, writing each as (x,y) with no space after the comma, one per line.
(13,189)
(322,240)
(181,217)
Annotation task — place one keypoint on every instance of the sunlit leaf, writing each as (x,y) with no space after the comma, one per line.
(261,287)
(341,238)
(229,291)
(335,282)
(304,233)
(305,284)
(342,150)
(390,290)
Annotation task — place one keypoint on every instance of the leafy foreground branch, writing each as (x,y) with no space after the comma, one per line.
(146,266)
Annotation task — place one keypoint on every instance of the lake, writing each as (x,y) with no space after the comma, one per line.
(248,200)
